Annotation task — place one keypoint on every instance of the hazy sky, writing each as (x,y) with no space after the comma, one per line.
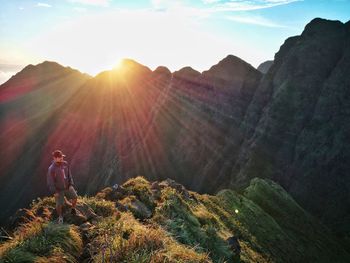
(93,35)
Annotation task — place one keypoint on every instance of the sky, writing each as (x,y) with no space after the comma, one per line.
(94,35)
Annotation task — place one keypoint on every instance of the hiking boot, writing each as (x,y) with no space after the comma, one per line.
(73,211)
(60,220)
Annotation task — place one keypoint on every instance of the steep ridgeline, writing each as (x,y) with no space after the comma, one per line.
(297,126)
(161,221)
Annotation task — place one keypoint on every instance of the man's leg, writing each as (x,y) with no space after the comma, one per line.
(59,210)
(59,197)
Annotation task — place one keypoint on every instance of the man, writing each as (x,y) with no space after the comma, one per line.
(60,183)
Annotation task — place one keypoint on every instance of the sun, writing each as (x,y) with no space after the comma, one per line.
(119,65)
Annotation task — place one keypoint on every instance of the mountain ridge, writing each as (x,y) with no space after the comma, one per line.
(170,222)
(206,130)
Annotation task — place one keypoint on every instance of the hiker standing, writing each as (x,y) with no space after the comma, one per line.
(60,183)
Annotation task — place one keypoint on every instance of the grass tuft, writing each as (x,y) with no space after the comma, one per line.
(38,241)
(100,206)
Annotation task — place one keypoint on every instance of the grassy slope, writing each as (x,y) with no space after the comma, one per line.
(270,225)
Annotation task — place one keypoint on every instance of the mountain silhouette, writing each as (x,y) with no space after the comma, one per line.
(207,130)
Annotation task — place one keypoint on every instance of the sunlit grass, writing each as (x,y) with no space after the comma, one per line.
(43,242)
(127,240)
(180,229)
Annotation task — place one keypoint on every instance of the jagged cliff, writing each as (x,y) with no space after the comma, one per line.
(296,125)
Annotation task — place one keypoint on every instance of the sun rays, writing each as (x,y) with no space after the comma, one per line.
(131,120)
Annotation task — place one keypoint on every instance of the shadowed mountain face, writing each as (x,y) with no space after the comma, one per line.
(207,130)
(297,125)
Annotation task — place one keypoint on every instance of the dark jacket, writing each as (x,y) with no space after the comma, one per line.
(59,177)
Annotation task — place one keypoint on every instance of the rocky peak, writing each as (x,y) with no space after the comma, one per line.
(161,70)
(47,66)
(131,64)
(322,26)
(31,75)
(127,69)
(187,73)
(231,69)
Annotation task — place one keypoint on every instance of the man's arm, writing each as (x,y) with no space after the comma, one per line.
(51,181)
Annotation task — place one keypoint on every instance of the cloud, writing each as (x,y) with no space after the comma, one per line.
(245,5)
(181,8)
(254,20)
(80,9)
(91,2)
(231,7)
(212,7)
(169,4)
(210,1)
(43,5)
